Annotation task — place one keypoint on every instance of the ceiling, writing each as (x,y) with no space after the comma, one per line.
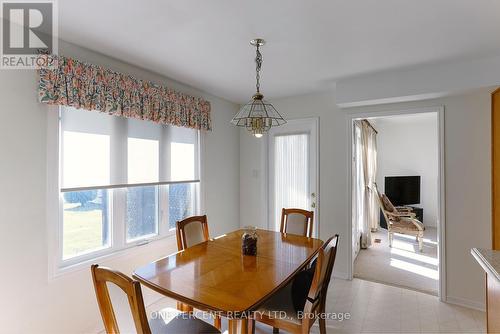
(310,44)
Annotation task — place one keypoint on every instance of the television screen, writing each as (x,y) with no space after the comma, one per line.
(403,190)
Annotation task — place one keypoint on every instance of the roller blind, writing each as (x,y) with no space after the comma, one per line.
(104,151)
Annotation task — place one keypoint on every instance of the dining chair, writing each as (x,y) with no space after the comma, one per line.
(281,303)
(191,231)
(183,323)
(297,221)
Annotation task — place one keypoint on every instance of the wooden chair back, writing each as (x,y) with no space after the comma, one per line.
(316,298)
(381,204)
(291,220)
(191,231)
(132,288)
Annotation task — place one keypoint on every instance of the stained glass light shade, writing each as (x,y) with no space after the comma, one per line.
(258,116)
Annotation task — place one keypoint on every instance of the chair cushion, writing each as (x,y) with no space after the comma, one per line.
(296,223)
(407,225)
(194,233)
(279,305)
(181,324)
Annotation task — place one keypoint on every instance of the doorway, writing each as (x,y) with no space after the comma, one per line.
(409,158)
(293,170)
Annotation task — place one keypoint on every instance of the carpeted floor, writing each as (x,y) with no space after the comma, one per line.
(402,265)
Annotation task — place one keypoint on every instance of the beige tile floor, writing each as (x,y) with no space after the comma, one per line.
(379,308)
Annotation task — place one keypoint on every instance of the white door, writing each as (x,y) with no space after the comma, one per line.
(293,170)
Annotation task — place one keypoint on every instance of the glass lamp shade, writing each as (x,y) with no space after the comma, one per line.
(258,116)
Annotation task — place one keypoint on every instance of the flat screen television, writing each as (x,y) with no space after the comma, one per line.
(403,190)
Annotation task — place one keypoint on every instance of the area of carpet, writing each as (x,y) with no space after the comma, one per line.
(402,265)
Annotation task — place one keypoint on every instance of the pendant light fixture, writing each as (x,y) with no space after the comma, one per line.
(258,115)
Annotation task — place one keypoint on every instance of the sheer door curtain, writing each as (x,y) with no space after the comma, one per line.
(366,145)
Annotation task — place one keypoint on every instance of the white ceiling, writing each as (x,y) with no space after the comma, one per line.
(311,44)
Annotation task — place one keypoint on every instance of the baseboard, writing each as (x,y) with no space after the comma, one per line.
(466,303)
(340,275)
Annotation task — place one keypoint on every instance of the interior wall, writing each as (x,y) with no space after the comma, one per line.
(467,169)
(408,146)
(31,301)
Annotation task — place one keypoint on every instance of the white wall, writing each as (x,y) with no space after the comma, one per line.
(406,146)
(31,302)
(467,168)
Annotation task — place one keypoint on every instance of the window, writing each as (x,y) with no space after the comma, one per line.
(123,182)
(85,222)
(142,212)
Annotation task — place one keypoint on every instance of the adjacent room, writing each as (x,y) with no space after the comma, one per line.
(399,244)
(187,167)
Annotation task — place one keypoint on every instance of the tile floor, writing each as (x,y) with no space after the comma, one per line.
(379,308)
(402,265)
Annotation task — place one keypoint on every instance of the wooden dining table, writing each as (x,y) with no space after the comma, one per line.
(215,277)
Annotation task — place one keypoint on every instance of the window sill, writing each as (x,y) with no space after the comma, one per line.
(62,270)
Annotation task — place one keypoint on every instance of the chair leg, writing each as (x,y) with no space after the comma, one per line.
(322,326)
(420,243)
(251,326)
(217,322)
(276,330)
(184,307)
(390,238)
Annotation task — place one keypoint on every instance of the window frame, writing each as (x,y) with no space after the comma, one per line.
(118,244)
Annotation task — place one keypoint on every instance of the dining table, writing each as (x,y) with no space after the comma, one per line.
(214,276)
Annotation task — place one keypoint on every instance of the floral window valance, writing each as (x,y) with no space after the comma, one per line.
(77,84)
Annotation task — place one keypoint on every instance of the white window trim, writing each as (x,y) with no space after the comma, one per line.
(57,267)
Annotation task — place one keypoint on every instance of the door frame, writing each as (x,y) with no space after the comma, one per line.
(495,163)
(441,226)
(314,121)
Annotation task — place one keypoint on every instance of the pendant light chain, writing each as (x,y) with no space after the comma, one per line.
(258,63)
(258,116)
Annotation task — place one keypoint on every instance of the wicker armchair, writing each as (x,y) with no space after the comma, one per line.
(400,220)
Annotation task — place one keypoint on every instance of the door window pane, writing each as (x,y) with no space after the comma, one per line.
(85,222)
(142,212)
(291,175)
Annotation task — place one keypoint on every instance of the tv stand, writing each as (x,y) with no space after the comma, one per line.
(419,214)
